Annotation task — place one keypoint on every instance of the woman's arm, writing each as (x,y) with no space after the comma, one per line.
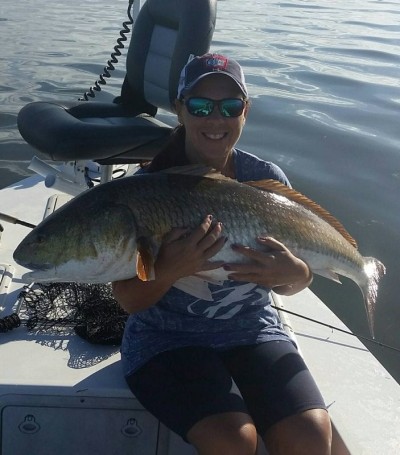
(277,269)
(181,254)
(135,295)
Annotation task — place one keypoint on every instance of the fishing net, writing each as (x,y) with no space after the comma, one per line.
(90,310)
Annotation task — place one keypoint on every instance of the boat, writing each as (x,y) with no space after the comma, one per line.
(61,394)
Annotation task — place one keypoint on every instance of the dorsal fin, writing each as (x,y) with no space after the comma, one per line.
(274,186)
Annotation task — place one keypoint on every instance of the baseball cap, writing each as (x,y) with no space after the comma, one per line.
(201,66)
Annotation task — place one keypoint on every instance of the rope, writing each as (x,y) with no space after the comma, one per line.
(9,323)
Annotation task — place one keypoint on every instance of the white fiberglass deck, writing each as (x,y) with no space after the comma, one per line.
(60,394)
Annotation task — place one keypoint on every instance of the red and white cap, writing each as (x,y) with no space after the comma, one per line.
(201,66)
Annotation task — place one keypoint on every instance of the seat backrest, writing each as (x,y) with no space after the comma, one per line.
(164,35)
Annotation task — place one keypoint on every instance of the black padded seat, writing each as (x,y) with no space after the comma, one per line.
(103,132)
(165,34)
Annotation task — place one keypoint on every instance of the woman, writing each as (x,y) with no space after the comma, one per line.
(181,354)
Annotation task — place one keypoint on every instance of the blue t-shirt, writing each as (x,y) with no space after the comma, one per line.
(240,313)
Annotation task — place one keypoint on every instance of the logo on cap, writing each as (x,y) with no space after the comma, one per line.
(217,62)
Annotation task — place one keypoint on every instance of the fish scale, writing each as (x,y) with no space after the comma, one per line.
(96,236)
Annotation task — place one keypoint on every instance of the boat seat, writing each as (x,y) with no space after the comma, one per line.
(125,130)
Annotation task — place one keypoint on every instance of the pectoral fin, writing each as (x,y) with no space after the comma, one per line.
(145,260)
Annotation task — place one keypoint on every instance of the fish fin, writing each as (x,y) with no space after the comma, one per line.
(144,260)
(195,286)
(328,273)
(274,186)
(374,271)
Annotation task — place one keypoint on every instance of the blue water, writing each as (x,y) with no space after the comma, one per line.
(324,82)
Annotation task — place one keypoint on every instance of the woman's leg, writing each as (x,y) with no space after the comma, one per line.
(307,433)
(282,398)
(192,393)
(230,433)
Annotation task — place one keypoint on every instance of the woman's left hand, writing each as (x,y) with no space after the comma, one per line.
(277,268)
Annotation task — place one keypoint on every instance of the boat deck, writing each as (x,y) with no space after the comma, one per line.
(60,394)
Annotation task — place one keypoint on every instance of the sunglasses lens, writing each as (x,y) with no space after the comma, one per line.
(231,107)
(200,107)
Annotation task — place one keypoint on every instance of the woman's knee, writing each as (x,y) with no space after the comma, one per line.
(231,432)
(307,433)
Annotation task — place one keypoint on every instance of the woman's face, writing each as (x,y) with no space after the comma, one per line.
(209,140)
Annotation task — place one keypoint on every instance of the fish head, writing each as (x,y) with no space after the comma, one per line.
(79,245)
(31,254)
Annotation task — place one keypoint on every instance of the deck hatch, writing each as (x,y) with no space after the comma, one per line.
(77,430)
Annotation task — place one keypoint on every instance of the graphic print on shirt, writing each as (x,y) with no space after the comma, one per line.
(228,301)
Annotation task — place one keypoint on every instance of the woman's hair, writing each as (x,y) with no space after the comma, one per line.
(173,154)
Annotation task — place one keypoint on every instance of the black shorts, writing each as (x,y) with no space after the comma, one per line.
(183,386)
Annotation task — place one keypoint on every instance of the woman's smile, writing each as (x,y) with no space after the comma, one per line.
(214,136)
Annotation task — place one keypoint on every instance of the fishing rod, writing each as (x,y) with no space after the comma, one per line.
(13,220)
(13,321)
(332,327)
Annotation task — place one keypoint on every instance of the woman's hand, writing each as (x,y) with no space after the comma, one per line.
(277,268)
(184,253)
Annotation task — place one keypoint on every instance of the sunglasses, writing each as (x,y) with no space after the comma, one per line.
(203,107)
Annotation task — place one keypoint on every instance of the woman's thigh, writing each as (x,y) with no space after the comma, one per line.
(274,382)
(183,386)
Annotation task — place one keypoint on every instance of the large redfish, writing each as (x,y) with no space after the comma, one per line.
(113,231)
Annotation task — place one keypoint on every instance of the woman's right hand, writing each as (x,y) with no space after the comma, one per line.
(184,252)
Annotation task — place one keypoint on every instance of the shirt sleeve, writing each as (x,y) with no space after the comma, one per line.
(250,167)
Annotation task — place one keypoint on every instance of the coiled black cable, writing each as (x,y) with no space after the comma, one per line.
(110,63)
(9,323)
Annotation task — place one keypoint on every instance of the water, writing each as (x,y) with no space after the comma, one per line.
(324,81)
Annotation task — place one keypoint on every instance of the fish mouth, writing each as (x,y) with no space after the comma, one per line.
(33,265)
(36,276)
(24,257)
(38,267)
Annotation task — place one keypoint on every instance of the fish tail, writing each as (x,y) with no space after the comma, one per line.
(374,271)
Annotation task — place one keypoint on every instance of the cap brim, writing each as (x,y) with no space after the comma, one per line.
(196,81)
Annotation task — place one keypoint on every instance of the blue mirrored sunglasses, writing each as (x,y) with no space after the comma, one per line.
(202,107)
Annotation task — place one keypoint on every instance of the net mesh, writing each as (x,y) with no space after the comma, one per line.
(89,309)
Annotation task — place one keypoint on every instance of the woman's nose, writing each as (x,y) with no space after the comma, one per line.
(216,114)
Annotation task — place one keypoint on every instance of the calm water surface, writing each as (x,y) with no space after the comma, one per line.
(324,80)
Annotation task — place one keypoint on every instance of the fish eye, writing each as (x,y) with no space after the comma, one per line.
(40,238)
